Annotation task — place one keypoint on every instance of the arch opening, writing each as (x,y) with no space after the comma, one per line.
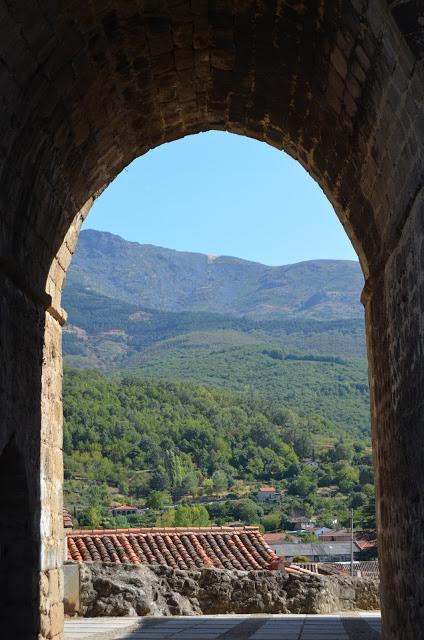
(58,267)
(96,247)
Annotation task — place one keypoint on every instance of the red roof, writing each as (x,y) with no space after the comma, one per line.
(366,544)
(337,532)
(368,568)
(272,489)
(123,507)
(67,520)
(179,548)
(274,538)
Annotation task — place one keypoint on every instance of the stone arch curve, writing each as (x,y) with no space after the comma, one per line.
(115,81)
(88,86)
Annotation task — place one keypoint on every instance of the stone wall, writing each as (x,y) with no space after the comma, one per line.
(126,590)
(89,85)
(395,314)
(31,526)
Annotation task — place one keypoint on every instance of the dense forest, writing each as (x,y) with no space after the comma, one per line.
(156,443)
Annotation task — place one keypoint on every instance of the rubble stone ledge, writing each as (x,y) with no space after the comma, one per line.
(127,590)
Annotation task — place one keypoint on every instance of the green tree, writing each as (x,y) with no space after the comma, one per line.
(157,499)
(139,486)
(185,516)
(98,496)
(342,451)
(309,536)
(219,481)
(301,559)
(247,511)
(175,472)
(271,521)
(255,467)
(119,522)
(189,484)
(207,487)
(303,486)
(303,445)
(366,475)
(160,480)
(90,518)
(358,500)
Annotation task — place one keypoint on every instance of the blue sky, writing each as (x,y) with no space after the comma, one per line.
(222,194)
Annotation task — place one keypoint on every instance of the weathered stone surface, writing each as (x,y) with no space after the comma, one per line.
(128,590)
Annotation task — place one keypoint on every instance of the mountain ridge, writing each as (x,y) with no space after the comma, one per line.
(170,280)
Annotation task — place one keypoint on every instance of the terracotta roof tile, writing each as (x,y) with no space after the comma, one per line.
(274,537)
(220,547)
(67,520)
(366,544)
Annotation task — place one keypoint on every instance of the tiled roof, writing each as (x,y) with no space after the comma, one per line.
(67,520)
(180,548)
(266,489)
(368,568)
(289,549)
(366,544)
(335,533)
(273,538)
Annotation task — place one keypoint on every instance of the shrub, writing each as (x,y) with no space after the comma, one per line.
(301,559)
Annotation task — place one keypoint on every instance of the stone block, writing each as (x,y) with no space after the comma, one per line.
(338,61)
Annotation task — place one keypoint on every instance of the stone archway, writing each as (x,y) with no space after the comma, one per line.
(88,86)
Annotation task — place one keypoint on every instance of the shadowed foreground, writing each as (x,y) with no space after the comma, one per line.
(364,626)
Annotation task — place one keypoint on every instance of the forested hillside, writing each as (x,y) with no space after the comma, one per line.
(217,375)
(156,442)
(305,365)
(108,333)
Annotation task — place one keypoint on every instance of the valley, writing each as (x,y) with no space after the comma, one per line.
(223,337)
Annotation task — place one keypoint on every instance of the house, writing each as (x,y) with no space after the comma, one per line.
(368,547)
(243,548)
(302,523)
(267,494)
(309,462)
(124,510)
(274,540)
(317,551)
(320,531)
(336,535)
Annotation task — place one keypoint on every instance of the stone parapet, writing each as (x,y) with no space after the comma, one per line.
(107,589)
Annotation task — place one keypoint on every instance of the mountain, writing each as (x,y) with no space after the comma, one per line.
(312,365)
(167,280)
(235,367)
